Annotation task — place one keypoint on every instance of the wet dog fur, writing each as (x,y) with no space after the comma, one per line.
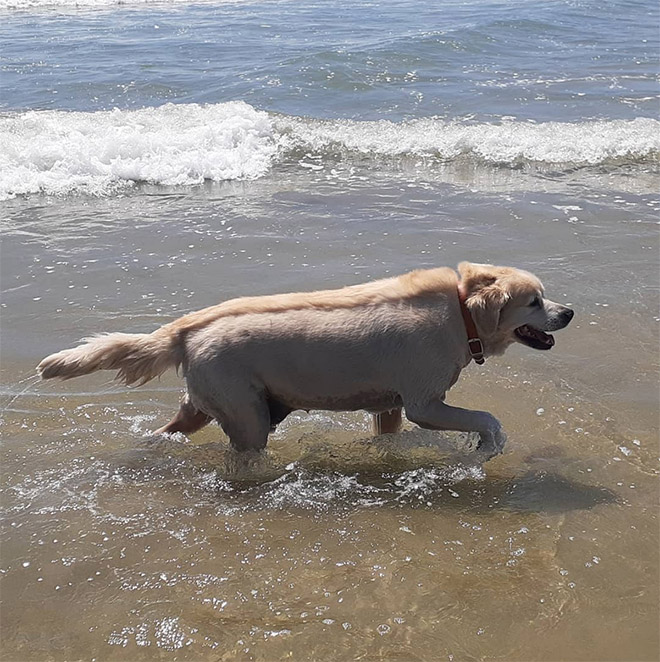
(380,346)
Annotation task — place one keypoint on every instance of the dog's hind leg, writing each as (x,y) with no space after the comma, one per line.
(387,421)
(248,423)
(187,420)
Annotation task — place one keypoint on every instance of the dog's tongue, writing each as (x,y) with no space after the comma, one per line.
(531,332)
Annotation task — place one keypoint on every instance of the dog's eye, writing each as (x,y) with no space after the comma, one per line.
(536,303)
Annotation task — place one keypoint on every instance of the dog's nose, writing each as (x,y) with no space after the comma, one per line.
(567,314)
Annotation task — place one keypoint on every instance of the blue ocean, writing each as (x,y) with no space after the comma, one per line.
(99,95)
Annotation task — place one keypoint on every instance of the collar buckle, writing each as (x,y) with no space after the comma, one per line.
(475,345)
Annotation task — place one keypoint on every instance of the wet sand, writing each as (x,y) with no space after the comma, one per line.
(119,546)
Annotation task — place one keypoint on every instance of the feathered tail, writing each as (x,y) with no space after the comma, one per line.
(137,357)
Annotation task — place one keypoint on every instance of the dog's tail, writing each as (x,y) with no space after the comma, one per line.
(137,357)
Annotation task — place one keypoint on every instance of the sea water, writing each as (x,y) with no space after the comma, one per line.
(159,157)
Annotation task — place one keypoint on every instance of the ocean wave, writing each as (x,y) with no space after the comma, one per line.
(99,153)
(506,143)
(59,152)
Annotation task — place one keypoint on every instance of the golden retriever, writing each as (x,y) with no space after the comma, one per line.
(379,346)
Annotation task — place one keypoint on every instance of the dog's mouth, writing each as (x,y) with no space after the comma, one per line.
(534,338)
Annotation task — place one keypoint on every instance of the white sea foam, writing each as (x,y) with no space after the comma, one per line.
(59,152)
(510,142)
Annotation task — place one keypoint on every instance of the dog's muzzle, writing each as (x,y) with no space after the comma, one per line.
(540,339)
(559,318)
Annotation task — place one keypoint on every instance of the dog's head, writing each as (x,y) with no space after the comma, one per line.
(508,305)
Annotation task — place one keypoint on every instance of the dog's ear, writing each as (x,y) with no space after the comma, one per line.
(475,276)
(484,296)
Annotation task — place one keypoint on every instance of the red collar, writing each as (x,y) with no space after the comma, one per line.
(474,342)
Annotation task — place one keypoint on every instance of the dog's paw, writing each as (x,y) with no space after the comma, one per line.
(491,442)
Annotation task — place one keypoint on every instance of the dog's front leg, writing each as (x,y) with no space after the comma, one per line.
(436,415)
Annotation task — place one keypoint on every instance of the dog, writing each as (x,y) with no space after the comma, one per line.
(380,346)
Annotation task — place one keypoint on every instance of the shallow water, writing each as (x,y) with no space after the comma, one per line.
(333,545)
(120,546)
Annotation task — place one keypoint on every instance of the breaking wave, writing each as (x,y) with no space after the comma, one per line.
(58,152)
(99,153)
(507,143)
